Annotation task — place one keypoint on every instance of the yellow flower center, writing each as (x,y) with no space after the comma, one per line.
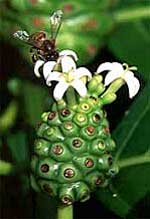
(68,76)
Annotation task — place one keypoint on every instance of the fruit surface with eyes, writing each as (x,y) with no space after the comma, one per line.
(72,152)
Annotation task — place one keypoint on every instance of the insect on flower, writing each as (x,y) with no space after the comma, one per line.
(42,47)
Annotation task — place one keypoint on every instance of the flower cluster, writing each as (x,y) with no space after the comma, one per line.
(65,72)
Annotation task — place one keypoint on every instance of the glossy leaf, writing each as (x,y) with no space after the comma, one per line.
(17,143)
(34,98)
(132,138)
(131,43)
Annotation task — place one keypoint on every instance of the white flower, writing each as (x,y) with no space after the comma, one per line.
(116,70)
(68,52)
(69,77)
(51,64)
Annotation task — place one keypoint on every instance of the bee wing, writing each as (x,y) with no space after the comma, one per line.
(55,22)
(22,35)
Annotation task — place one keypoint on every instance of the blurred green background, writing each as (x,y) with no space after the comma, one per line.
(98,30)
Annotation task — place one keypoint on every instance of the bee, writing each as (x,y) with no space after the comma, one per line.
(43,48)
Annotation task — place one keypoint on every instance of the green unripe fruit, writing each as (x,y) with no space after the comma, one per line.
(72,152)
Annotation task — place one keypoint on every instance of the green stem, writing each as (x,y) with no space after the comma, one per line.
(133,161)
(126,15)
(65,212)
(114,86)
(71,98)
(110,94)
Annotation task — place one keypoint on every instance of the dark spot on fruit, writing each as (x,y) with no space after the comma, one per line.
(69,173)
(101,145)
(76,143)
(89,162)
(90,130)
(51,115)
(85,106)
(68,125)
(112,172)
(96,118)
(57,149)
(47,188)
(44,168)
(81,117)
(98,181)
(67,200)
(110,160)
(65,112)
(106,130)
(84,196)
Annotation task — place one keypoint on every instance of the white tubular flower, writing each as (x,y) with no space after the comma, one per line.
(117,70)
(70,77)
(37,65)
(49,66)
(68,52)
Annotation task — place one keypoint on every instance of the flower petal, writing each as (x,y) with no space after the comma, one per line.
(47,68)
(118,67)
(111,76)
(54,76)
(108,66)
(37,65)
(133,84)
(68,52)
(80,72)
(67,64)
(59,90)
(80,87)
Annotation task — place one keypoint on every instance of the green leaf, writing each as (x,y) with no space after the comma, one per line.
(17,143)
(132,138)
(132,134)
(19,148)
(115,204)
(131,43)
(34,98)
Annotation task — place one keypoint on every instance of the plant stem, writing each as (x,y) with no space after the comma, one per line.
(114,86)
(126,15)
(140,159)
(71,96)
(65,212)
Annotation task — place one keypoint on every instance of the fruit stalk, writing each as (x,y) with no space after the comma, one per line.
(65,212)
